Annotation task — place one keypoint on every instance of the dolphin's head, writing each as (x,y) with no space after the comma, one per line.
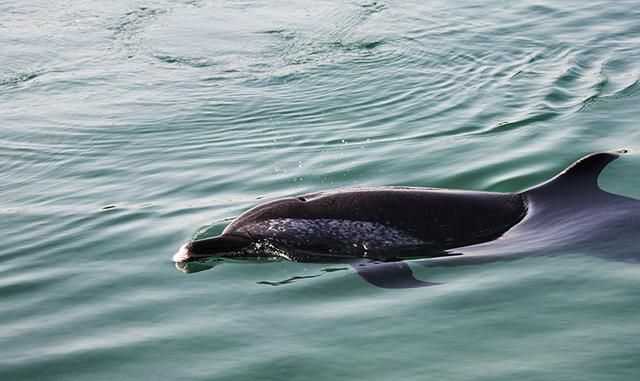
(216,247)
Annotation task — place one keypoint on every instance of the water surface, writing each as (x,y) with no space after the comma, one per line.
(130,127)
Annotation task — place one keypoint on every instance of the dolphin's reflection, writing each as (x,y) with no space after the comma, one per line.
(300,277)
(197,266)
(194,267)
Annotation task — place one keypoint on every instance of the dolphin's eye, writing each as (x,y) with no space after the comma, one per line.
(302,199)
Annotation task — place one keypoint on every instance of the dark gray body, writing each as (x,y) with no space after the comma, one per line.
(567,213)
(369,221)
(374,228)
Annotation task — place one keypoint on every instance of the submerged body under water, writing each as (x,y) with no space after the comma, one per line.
(127,125)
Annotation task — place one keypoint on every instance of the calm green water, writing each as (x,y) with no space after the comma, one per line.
(128,127)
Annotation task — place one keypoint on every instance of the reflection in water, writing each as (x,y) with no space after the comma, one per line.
(207,264)
(298,277)
(194,267)
(288,280)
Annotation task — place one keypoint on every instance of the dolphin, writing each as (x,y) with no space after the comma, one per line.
(374,229)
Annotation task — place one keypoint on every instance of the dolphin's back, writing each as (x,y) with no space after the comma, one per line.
(437,218)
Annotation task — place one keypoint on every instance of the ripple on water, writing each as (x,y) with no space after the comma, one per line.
(128,128)
(16,79)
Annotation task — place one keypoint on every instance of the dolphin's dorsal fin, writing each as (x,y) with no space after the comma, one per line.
(580,175)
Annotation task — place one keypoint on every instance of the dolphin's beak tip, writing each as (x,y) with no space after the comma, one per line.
(182,255)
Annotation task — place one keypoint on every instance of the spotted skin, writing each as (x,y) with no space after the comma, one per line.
(345,236)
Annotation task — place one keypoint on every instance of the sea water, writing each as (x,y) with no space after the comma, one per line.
(129,127)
